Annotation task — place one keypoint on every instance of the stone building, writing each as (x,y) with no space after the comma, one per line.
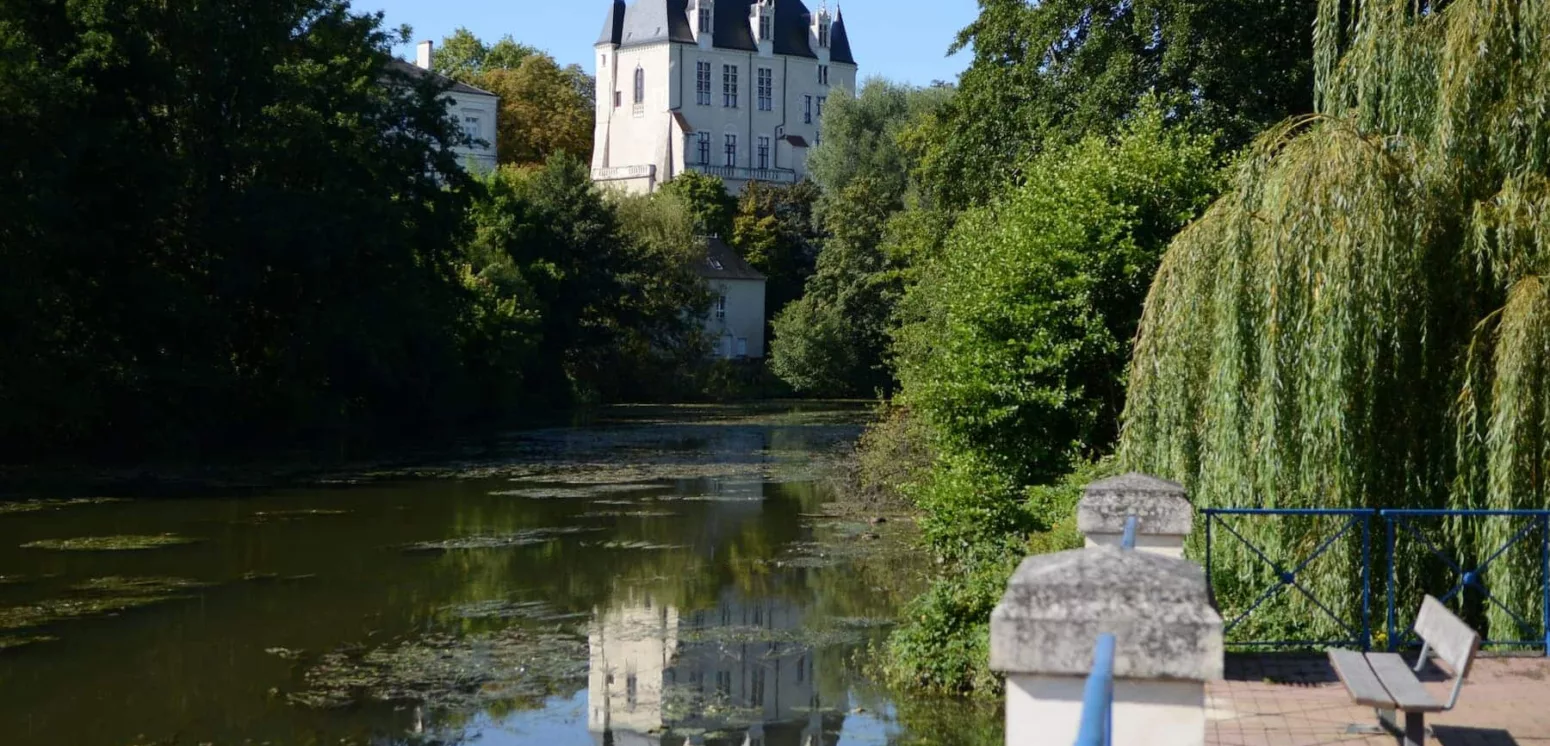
(474,108)
(734,88)
(735,323)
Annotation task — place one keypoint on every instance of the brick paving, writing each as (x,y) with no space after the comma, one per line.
(1296,700)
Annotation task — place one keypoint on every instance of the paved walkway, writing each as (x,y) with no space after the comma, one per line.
(1296,700)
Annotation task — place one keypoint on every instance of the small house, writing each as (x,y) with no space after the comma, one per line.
(735,323)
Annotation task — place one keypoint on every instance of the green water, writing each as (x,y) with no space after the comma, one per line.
(663,576)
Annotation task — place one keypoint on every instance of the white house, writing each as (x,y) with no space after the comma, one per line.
(474,108)
(734,88)
(735,324)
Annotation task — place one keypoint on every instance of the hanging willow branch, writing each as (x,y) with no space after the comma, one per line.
(1361,321)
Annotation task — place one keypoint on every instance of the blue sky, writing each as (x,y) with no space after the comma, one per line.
(906,41)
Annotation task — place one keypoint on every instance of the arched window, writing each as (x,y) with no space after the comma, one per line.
(640,85)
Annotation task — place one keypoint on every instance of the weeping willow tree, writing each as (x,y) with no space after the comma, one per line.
(1364,319)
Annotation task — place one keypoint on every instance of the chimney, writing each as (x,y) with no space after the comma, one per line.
(422,55)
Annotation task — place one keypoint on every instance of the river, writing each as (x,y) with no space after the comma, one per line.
(664,575)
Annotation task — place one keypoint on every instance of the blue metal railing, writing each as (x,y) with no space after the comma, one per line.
(1098,697)
(1399,523)
(1097,728)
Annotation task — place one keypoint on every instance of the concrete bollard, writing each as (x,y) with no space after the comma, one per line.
(1163,514)
(1168,644)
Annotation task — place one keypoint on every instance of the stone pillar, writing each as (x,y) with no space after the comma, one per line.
(1164,516)
(1168,644)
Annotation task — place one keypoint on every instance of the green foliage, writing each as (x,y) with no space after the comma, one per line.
(1055,71)
(862,135)
(599,289)
(465,57)
(710,207)
(223,220)
(833,340)
(776,232)
(1361,321)
(1017,334)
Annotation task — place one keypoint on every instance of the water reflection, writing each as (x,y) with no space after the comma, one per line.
(645,581)
(725,675)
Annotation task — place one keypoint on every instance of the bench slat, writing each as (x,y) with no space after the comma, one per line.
(1359,679)
(1401,683)
(1454,642)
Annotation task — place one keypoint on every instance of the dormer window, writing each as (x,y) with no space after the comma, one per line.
(766,22)
(640,85)
(823,31)
(704,16)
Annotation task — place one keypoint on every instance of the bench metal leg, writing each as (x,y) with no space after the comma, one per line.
(1412,733)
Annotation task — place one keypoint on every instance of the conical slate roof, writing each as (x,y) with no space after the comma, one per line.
(839,41)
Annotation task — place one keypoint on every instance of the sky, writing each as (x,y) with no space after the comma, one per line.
(903,40)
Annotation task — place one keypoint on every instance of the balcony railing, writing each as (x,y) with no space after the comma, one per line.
(739,173)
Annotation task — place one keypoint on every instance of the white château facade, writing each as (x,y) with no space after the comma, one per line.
(734,88)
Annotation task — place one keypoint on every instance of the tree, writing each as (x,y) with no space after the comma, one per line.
(230,220)
(541,112)
(544,109)
(833,340)
(775,231)
(1362,321)
(601,285)
(1059,70)
(1016,336)
(465,57)
(862,136)
(706,198)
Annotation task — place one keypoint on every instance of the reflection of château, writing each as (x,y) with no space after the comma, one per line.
(709,677)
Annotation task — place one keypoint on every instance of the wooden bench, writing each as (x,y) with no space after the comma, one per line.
(1385,682)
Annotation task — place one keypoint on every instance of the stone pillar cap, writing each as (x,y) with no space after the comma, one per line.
(1157,608)
(1160,506)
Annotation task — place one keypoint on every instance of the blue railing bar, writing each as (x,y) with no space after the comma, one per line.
(1128,539)
(1295,643)
(1292,511)
(1098,697)
(1445,512)
(1544,578)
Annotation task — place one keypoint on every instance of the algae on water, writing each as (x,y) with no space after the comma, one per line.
(97,597)
(123,543)
(443,671)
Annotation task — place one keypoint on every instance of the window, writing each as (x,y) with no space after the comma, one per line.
(729,86)
(721,307)
(618,99)
(758,615)
(724,683)
(823,75)
(801,669)
(702,83)
(705,16)
(471,127)
(766,89)
(764,25)
(821,99)
(704,143)
(764,152)
(756,692)
(731,150)
(742,350)
(823,31)
(640,85)
(602,61)
(807,109)
(629,690)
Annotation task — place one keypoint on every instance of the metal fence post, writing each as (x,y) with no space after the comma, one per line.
(1366,583)
(1544,578)
(1391,579)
